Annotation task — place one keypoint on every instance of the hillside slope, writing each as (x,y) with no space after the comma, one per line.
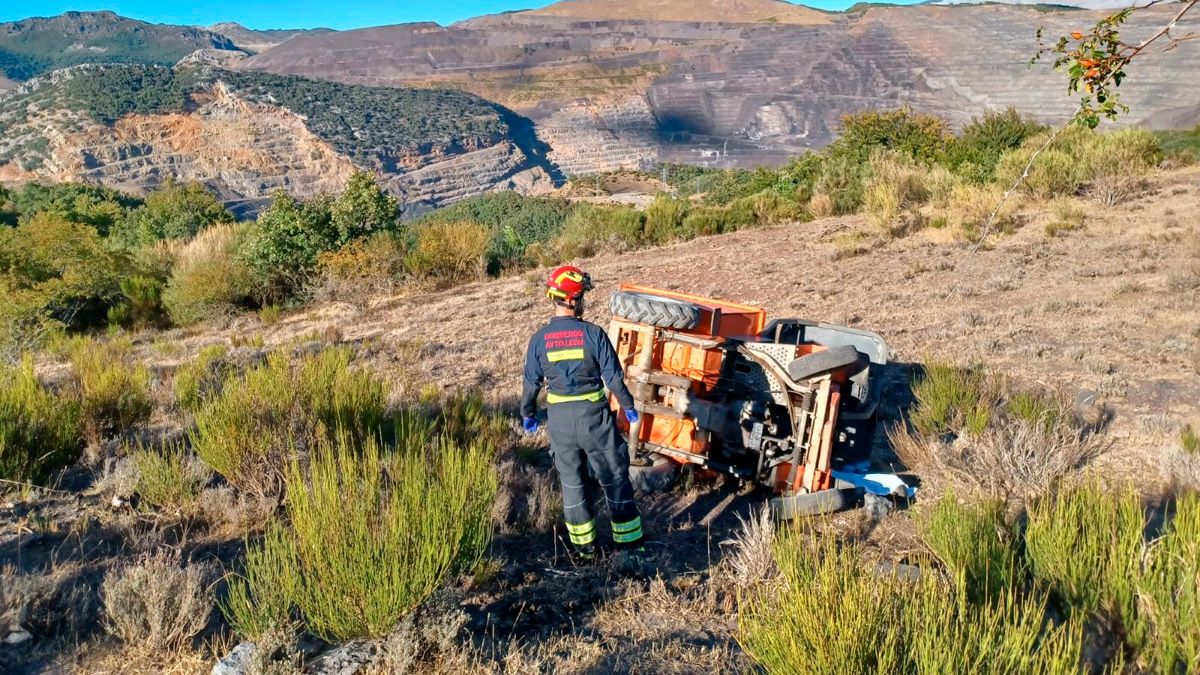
(34,46)
(256,41)
(612,90)
(245,135)
(1108,311)
(720,11)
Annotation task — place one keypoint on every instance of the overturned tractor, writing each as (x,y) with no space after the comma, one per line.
(790,404)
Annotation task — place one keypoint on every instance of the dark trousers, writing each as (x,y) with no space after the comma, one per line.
(582,437)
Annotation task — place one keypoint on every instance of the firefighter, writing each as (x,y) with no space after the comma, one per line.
(576,362)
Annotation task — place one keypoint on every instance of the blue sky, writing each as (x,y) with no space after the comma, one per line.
(260,14)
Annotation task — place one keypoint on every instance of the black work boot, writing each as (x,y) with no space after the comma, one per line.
(583,554)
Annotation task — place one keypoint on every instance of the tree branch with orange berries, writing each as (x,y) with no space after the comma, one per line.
(1095,61)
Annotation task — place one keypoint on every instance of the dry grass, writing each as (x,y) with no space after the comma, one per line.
(1011,458)
(154,605)
(752,560)
(895,189)
(820,205)
(48,604)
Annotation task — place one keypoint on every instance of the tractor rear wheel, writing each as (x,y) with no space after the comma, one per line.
(654,310)
(819,363)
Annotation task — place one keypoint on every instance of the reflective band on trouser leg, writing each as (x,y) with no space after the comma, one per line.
(551,397)
(582,535)
(565,355)
(627,533)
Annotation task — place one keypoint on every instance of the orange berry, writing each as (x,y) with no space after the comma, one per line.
(1091,73)
(1087,63)
(1077,35)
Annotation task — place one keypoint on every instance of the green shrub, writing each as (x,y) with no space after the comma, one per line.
(248,430)
(1180,146)
(664,219)
(1085,544)
(832,614)
(1169,593)
(829,616)
(281,247)
(463,419)
(591,230)
(209,280)
(362,209)
(513,223)
(1007,634)
(364,549)
(174,211)
(142,304)
(450,252)
(973,154)
(765,208)
(1189,440)
(920,138)
(39,431)
(972,541)
(1109,164)
(199,380)
(951,400)
(114,395)
(63,266)
(170,478)
(841,179)
(99,207)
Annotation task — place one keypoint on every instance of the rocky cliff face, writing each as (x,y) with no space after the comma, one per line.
(608,92)
(240,147)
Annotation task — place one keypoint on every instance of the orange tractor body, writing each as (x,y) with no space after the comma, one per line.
(717,386)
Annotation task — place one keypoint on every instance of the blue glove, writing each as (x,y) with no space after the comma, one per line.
(631,415)
(531,425)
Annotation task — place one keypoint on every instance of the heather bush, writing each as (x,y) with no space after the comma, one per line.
(114,393)
(249,431)
(367,541)
(664,219)
(170,478)
(155,605)
(199,380)
(39,430)
(450,252)
(209,280)
(362,268)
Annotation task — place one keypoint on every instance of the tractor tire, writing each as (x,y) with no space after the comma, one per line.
(654,310)
(819,363)
(812,504)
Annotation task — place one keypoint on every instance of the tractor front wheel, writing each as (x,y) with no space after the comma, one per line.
(654,310)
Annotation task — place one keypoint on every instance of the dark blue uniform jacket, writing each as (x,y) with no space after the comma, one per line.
(574,358)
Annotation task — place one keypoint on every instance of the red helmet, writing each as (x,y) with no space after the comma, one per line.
(567,284)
